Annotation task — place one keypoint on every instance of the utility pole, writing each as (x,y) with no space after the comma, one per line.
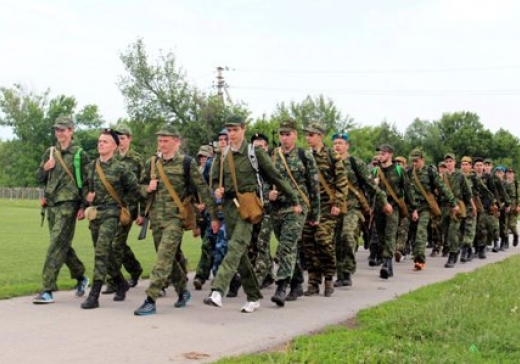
(220,84)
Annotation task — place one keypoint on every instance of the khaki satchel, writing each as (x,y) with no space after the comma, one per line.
(462,206)
(250,206)
(403,209)
(124,215)
(343,208)
(430,198)
(186,208)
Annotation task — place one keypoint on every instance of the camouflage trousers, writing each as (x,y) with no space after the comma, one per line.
(287,227)
(107,256)
(263,263)
(128,259)
(496,227)
(421,235)
(346,239)
(167,237)
(451,230)
(513,218)
(504,224)
(318,248)
(468,228)
(62,224)
(484,231)
(386,226)
(236,258)
(402,236)
(436,233)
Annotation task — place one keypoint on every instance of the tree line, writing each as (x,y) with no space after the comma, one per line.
(157,92)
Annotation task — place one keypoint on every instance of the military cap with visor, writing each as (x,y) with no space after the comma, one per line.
(205,151)
(287,126)
(124,130)
(168,130)
(314,128)
(235,120)
(416,153)
(385,148)
(63,122)
(449,156)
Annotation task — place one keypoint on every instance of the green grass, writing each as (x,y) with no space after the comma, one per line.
(24,244)
(473,318)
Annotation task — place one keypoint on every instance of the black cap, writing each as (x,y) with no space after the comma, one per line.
(113,133)
(257,136)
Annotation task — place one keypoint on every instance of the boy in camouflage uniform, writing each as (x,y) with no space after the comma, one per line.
(62,193)
(515,204)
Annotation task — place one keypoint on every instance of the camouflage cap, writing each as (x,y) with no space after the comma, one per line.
(63,122)
(400,159)
(315,128)
(385,148)
(124,130)
(488,161)
(442,164)
(287,126)
(466,159)
(259,136)
(449,155)
(205,151)
(417,153)
(235,120)
(168,130)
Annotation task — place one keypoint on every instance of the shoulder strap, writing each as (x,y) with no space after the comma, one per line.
(418,182)
(359,195)
(170,188)
(389,188)
(284,162)
(107,184)
(231,162)
(77,167)
(302,156)
(63,165)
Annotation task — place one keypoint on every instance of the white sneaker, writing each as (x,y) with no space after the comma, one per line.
(214,299)
(250,306)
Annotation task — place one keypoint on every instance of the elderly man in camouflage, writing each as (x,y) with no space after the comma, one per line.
(457,183)
(167,226)
(393,180)
(243,180)
(425,180)
(134,163)
(109,183)
(515,204)
(62,171)
(348,229)
(318,247)
(298,168)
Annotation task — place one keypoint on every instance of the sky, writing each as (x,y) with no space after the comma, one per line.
(376,59)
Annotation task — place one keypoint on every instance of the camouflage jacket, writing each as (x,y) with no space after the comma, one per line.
(331,167)
(480,191)
(164,208)
(123,181)
(246,175)
(133,162)
(59,187)
(459,186)
(511,189)
(359,177)
(497,188)
(399,183)
(305,173)
(431,182)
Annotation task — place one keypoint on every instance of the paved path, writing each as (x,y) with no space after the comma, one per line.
(64,333)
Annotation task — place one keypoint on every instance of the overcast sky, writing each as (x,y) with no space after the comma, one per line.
(394,60)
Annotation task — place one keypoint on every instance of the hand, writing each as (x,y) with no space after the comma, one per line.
(314,223)
(81,214)
(200,206)
(388,209)
(273,195)
(140,220)
(196,232)
(455,211)
(376,181)
(335,211)
(297,209)
(215,225)
(50,164)
(219,193)
(508,208)
(91,196)
(517,209)
(415,215)
(152,186)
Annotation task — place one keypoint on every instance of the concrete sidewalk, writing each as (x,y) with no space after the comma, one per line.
(64,333)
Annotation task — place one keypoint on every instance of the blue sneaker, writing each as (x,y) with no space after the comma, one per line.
(82,287)
(147,308)
(184,298)
(43,298)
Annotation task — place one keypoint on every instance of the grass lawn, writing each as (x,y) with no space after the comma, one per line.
(473,318)
(24,244)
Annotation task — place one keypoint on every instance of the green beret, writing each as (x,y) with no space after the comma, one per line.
(168,130)
(315,128)
(63,122)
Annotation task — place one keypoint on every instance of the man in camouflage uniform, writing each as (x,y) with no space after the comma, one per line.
(458,185)
(318,246)
(348,229)
(299,169)
(103,215)
(387,220)
(502,202)
(167,223)
(405,231)
(62,196)
(515,204)
(484,231)
(134,163)
(500,172)
(437,235)
(425,178)
(242,156)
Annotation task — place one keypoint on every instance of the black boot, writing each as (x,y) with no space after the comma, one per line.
(92,300)
(122,288)
(481,251)
(390,267)
(452,259)
(372,258)
(384,273)
(515,240)
(234,286)
(279,295)
(296,291)
(502,245)
(347,279)
(469,256)
(496,248)
(464,254)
